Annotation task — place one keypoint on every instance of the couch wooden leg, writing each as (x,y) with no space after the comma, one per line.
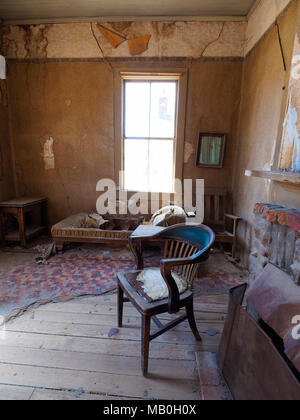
(146,321)
(59,246)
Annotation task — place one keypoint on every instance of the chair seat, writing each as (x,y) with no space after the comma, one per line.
(136,293)
(154,287)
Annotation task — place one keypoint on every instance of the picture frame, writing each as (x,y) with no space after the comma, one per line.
(211,150)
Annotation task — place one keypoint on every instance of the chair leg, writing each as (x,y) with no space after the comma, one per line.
(120,306)
(191,318)
(146,321)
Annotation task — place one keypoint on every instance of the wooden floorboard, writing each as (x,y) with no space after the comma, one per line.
(128,332)
(112,384)
(50,394)
(55,349)
(105,308)
(12,392)
(92,362)
(108,320)
(46,313)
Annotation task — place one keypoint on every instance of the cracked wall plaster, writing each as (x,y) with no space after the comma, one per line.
(175,39)
(170,39)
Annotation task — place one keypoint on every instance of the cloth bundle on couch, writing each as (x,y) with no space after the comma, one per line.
(168,216)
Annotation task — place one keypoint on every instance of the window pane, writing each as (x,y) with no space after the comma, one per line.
(137,109)
(163,104)
(161,165)
(136,165)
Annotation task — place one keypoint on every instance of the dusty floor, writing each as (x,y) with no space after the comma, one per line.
(65,350)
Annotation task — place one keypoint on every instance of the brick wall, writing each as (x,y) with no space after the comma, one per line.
(276,239)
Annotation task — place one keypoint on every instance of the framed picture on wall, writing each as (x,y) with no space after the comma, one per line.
(211,150)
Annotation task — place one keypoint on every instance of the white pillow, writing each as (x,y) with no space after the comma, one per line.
(169,215)
(155,286)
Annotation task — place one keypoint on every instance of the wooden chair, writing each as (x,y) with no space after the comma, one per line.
(185,247)
(216,216)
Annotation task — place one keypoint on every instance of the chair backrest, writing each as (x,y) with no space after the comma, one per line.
(189,244)
(215,207)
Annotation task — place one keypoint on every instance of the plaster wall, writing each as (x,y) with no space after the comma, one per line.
(6,173)
(62,127)
(61,100)
(212,106)
(61,103)
(290,149)
(261,19)
(168,39)
(263,92)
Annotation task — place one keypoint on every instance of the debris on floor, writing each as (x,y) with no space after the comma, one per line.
(45,253)
(112,332)
(212,332)
(78,392)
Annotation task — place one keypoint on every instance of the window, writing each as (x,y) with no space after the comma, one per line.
(149,112)
(149,134)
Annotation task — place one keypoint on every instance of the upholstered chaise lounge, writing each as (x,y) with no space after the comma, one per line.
(80,228)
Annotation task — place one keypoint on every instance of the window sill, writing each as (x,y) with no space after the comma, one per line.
(279,176)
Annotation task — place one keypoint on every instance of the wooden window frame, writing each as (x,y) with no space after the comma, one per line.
(148,70)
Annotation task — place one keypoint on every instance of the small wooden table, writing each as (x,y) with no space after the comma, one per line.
(19,207)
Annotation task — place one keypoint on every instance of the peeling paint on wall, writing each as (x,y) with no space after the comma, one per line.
(188,151)
(291,140)
(139,45)
(295,73)
(175,39)
(113,38)
(48,154)
(27,40)
(290,149)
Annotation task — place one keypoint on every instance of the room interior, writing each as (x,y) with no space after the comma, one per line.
(66,76)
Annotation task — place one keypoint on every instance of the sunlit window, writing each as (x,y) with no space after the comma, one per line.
(149,134)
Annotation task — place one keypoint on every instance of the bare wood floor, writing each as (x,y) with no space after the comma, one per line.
(58,350)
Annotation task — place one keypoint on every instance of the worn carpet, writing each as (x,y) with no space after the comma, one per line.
(80,272)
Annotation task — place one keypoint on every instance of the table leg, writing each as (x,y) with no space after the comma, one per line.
(2,229)
(21,222)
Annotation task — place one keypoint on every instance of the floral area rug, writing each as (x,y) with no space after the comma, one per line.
(219,281)
(80,272)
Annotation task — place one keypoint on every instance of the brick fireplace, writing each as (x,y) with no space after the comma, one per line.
(276,239)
